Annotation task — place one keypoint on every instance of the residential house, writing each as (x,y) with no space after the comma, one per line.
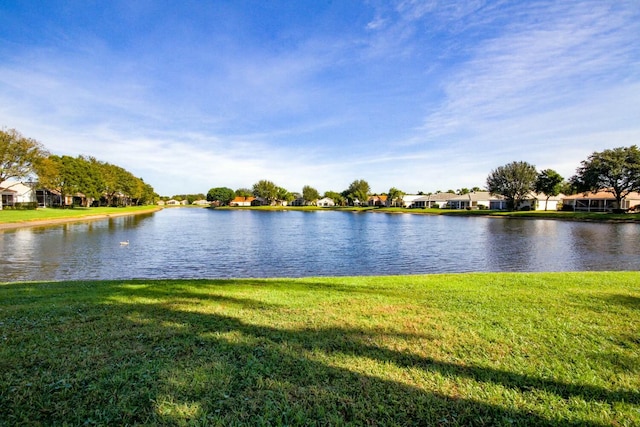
(377,200)
(242,201)
(477,200)
(48,198)
(201,202)
(424,201)
(409,200)
(326,202)
(13,192)
(539,202)
(601,201)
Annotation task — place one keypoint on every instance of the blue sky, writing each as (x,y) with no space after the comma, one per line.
(419,95)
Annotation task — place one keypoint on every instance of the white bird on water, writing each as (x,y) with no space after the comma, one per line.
(125,243)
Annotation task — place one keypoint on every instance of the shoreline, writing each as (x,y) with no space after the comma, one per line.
(57,221)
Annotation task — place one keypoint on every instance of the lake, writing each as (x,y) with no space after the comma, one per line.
(209,243)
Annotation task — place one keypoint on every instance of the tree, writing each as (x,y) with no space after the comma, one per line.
(395,195)
(222,195)
(282,195)
(62,173)
(548,182)
(266,190)
(310,194)
(616,171)
(19,156)
(244,192)
(337,198)
(514,181)
(358,190)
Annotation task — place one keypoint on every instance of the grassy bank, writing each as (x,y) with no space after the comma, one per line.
(563,215)
(469,349)
(50,214)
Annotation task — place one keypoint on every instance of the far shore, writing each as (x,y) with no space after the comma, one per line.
(43,217)
(552,215)
(88,214)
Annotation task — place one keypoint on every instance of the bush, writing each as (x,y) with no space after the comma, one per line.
(27,206)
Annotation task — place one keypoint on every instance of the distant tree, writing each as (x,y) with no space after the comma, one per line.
(514,181)
(62,173)
(463,191)
(395,196)
(616,171)
(451,191)
(358,190)
(149,196)
(310,194)
(548,182)
(222,195)
(337,198)
(567,188)
(266,190)
(90,180)
(476,189)
(282,195)
(244,192)
(19,156)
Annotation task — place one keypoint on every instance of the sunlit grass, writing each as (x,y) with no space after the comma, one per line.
(466,349)
(566,215)
(12,216)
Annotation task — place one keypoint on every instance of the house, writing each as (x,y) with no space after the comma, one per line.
(242,201)
(409,200)
(377,200)
(601,201)
(477,200)
(436,200)
(326,202)
(173,202)
(201,202)
(48,198)
(14,192)
(539,202)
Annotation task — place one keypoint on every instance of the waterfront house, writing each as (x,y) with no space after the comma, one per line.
(326,202)
(437,200)
(477,200)
(242,201)
(538,202)
(601,201)
(377,200)
(14,193)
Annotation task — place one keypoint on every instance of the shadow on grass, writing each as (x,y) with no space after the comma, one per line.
(109,362)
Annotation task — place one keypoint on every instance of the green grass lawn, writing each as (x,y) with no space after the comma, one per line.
(566,215)
(10,216)
(465,349)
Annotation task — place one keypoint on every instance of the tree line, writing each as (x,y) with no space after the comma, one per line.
(616,171)
(23,158)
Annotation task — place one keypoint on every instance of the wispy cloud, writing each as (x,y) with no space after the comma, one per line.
(531,83)
(421,95)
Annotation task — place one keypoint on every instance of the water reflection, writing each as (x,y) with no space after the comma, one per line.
(180,243)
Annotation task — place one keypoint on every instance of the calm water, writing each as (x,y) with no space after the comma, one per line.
(188,243)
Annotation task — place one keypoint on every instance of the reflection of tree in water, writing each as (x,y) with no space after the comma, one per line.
(605,246)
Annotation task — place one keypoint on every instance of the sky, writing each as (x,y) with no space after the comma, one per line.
(418,95)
